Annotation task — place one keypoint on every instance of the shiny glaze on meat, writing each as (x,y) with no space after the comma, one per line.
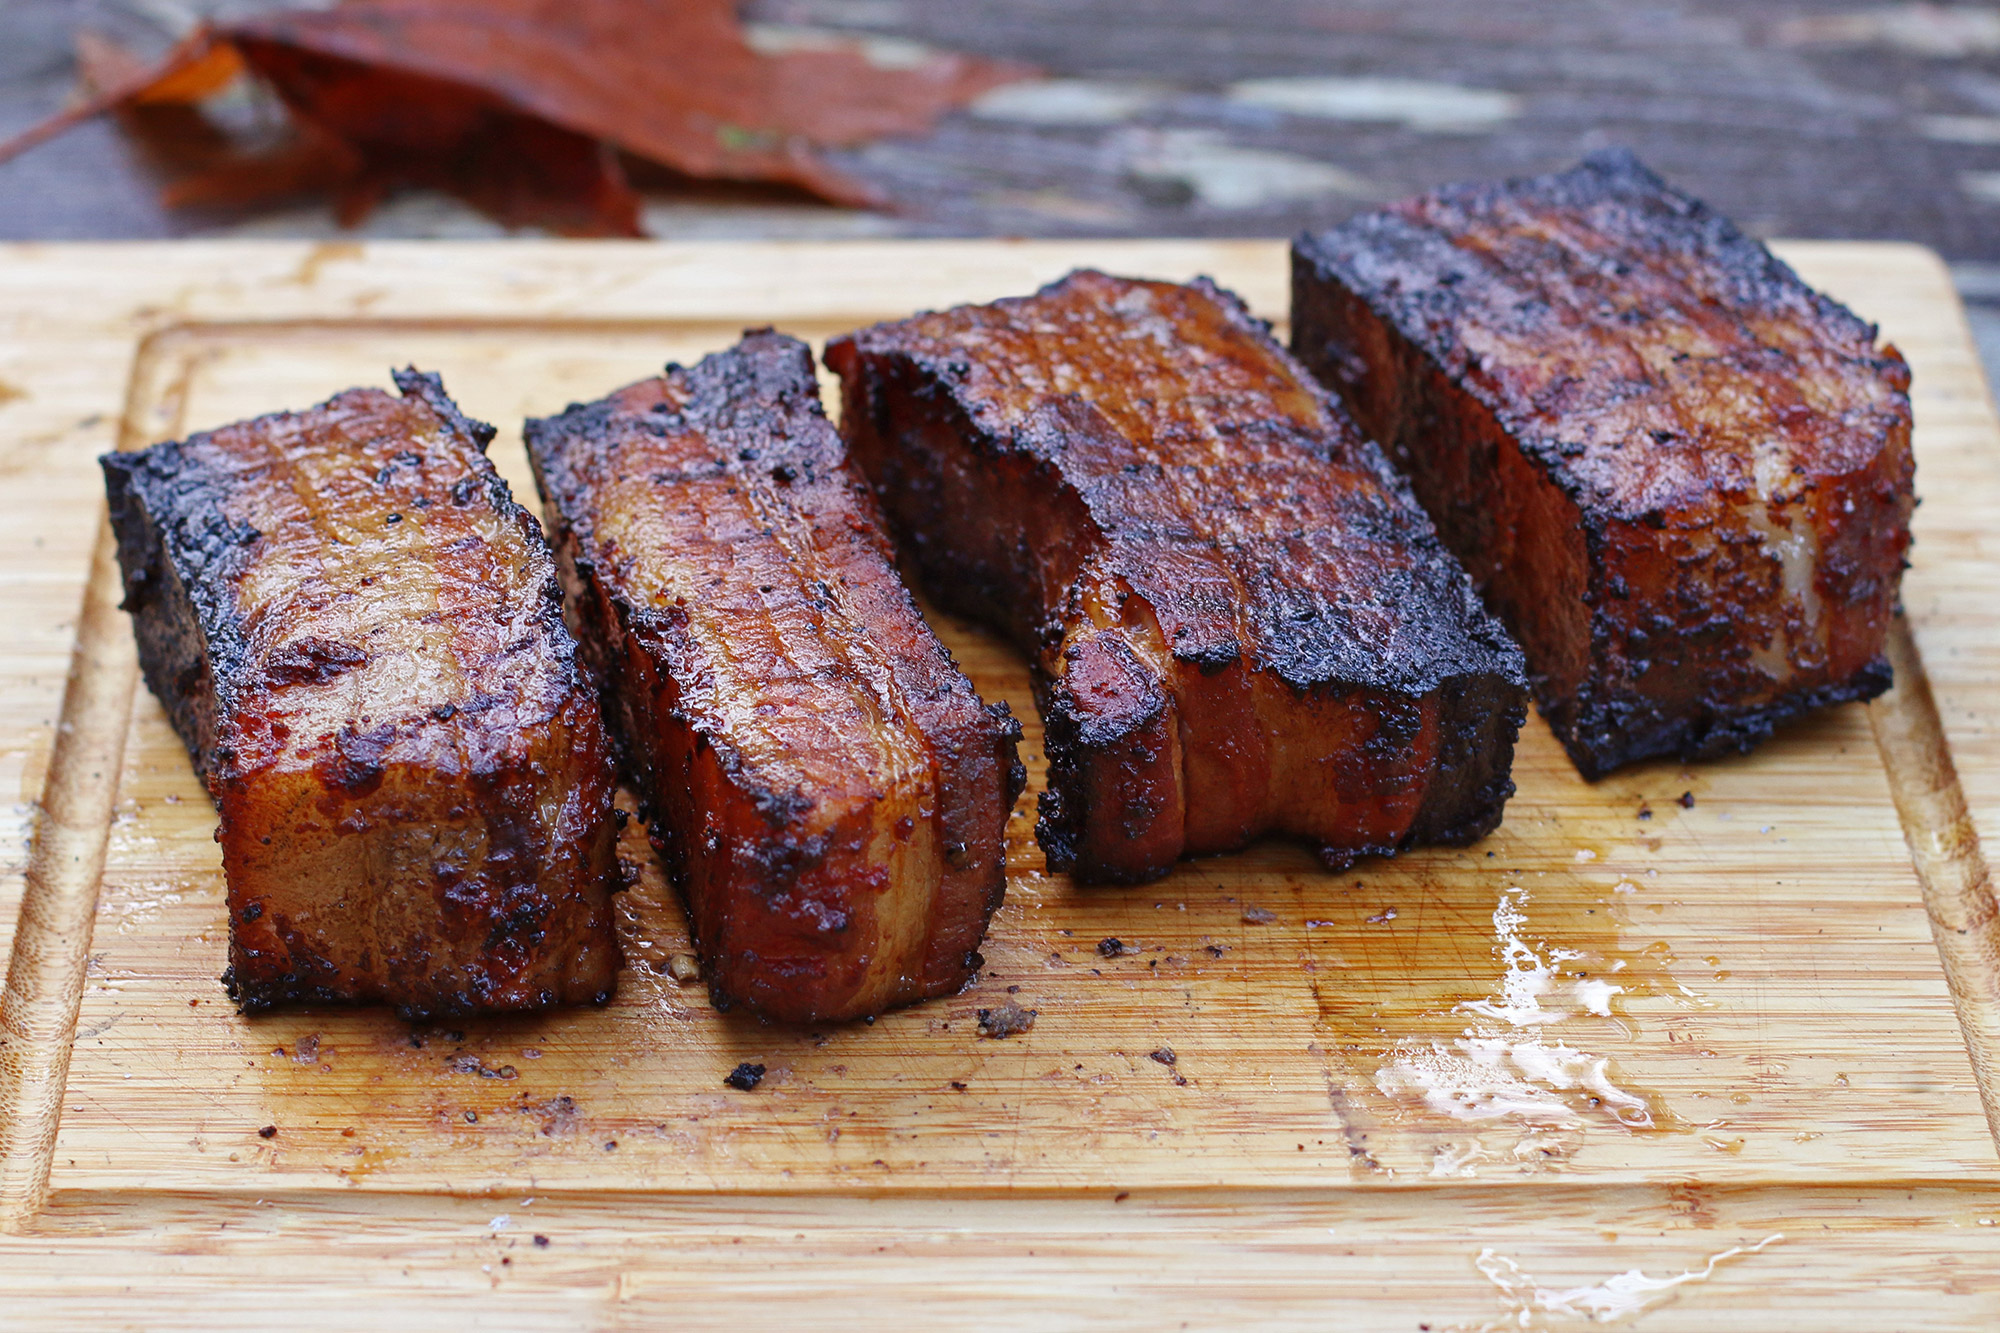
(358,634)
(1680,475)
(830,793)
(1240,622)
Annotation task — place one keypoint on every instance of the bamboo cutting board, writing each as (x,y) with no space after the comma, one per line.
(1691,1023)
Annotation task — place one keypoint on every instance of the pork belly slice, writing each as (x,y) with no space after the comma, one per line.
(828,791)
(1239,621)
(358,633)
(1680,475)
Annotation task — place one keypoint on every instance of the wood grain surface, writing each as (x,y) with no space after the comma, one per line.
(1650,1022)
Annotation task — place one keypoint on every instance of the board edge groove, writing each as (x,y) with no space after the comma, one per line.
(1944,848)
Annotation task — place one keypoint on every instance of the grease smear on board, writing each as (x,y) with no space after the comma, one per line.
(1620,1297)
(1503,1066)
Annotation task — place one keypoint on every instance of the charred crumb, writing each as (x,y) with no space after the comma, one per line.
(1645,812)
(957,1086)
(1165,1055)
(745,1077)
(1007,1020)
(541,1241)
(1215,950)
(268,1132)
(472,1064)
(559,1115)
(1687,800)
(1110,947)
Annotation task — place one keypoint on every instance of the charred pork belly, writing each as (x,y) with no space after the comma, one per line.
(829,792)
(359,636)
(1680,475)
(1239,620)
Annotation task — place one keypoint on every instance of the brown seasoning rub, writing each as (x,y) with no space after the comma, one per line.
(358,634)
(1680,475)
(829,792)
(1238,619)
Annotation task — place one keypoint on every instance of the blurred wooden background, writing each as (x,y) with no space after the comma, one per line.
(1809,118)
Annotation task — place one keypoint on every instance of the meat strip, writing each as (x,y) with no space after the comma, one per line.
(1239,620)
(1680,475)
(359,636)
(830,794)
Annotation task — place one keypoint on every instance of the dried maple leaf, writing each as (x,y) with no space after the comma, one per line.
(522,106)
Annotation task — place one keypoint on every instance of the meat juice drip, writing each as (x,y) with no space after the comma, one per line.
(1616,1299)
(1477,1005)
(1505,1064)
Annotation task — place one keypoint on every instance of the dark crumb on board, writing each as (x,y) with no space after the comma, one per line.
(745,1076)
(541,1242)
(956,1086)
(558,1116)
(1258,916)
(1645,812)
(1215,950)
(1687,800)
(1165,1055)
(268,1132)
(1005,1021)
(1110,947)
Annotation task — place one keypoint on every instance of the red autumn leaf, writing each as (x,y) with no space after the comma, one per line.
(522,106)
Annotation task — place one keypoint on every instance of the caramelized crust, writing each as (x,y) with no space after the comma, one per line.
(1680,475)
(1239,620)
(829,792)
(358,634)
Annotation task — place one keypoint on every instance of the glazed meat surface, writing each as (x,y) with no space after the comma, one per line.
(829,792)
(1239,620)
(1680,475)
(359,636)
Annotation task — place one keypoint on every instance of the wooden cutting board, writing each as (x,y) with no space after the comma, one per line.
(1688,1022)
